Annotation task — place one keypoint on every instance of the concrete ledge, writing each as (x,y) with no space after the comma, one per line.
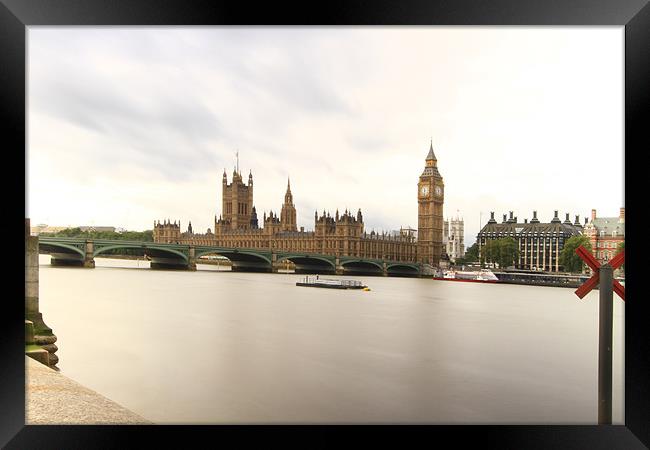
(54,399)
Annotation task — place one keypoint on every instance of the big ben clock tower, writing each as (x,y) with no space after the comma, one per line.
(431,196)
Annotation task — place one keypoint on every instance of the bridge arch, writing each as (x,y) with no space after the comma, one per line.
(362,263)
(305,259)
(402,269)
(233,254)
(148,248)
(64,246)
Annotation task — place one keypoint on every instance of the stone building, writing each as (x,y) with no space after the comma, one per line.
(453,238)
(340,234)
(430,202)
(605,235)
(539,244)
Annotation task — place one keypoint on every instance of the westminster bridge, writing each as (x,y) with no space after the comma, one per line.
(82,252)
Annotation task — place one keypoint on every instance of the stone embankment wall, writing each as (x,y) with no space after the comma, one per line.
(52,398)
(37,332)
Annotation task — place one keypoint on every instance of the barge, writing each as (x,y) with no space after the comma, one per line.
(331,284)
(542,279)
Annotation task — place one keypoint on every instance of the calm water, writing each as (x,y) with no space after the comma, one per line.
(220,347)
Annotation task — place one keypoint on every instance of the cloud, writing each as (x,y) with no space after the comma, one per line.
(154,115)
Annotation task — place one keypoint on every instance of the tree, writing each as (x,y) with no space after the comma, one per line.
(503,252)
(471,255)
(490,252)
(508,252)
(569,260)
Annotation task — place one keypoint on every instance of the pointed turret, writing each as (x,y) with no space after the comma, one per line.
(288,197)
(431,155)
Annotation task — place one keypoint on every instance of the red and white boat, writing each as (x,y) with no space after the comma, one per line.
(479,276)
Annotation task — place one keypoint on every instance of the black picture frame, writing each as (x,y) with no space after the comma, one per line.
(16,15)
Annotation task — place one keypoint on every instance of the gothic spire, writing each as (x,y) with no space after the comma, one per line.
(431,155)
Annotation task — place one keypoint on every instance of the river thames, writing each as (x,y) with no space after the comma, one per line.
(218,347)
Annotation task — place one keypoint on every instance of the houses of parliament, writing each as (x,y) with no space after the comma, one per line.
(238,225)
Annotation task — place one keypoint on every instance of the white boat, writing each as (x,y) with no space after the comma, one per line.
(483,275)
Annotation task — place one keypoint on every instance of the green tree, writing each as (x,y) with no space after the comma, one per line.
(569,260)
(508,252)
(490,252)
(471,255)
(503,252)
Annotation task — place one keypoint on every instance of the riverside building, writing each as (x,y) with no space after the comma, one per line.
(339,234)
(605,235)
(453,238)
(539,244)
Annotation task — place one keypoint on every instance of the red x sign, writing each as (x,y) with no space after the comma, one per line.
(592,282)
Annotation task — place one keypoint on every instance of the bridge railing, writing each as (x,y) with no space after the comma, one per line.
(201,248)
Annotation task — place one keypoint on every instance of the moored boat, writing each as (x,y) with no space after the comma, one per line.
(331,284)
(480,276)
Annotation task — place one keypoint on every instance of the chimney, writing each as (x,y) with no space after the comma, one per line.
(504,218)
(622,215)
(593,214)
(525,220)
(555,219)
(511,215)
(577,221)
(586,220)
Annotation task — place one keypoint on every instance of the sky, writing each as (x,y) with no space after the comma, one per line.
(127,125)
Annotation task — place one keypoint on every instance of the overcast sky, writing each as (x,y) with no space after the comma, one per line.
(131,125)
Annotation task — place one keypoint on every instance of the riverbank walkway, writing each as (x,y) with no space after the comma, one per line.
(54,399)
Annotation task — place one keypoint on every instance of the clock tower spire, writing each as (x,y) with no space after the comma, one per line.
(430,217)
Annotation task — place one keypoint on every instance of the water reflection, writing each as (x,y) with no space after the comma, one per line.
(214,346)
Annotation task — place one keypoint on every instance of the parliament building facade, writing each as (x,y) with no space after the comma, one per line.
(238,226)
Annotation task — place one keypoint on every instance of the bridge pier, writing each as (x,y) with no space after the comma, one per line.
(250,266)
(191,260)
(89,260)
(158,263)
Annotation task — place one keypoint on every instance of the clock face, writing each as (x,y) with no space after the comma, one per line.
(424,191)
(438,190)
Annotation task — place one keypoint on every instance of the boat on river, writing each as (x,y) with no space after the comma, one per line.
(479,276)
(331,284)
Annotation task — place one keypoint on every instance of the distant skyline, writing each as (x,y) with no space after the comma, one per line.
(127,125)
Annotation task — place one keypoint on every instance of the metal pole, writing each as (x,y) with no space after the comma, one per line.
(605,316)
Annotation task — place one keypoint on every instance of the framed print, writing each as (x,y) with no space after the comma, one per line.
(286,220)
